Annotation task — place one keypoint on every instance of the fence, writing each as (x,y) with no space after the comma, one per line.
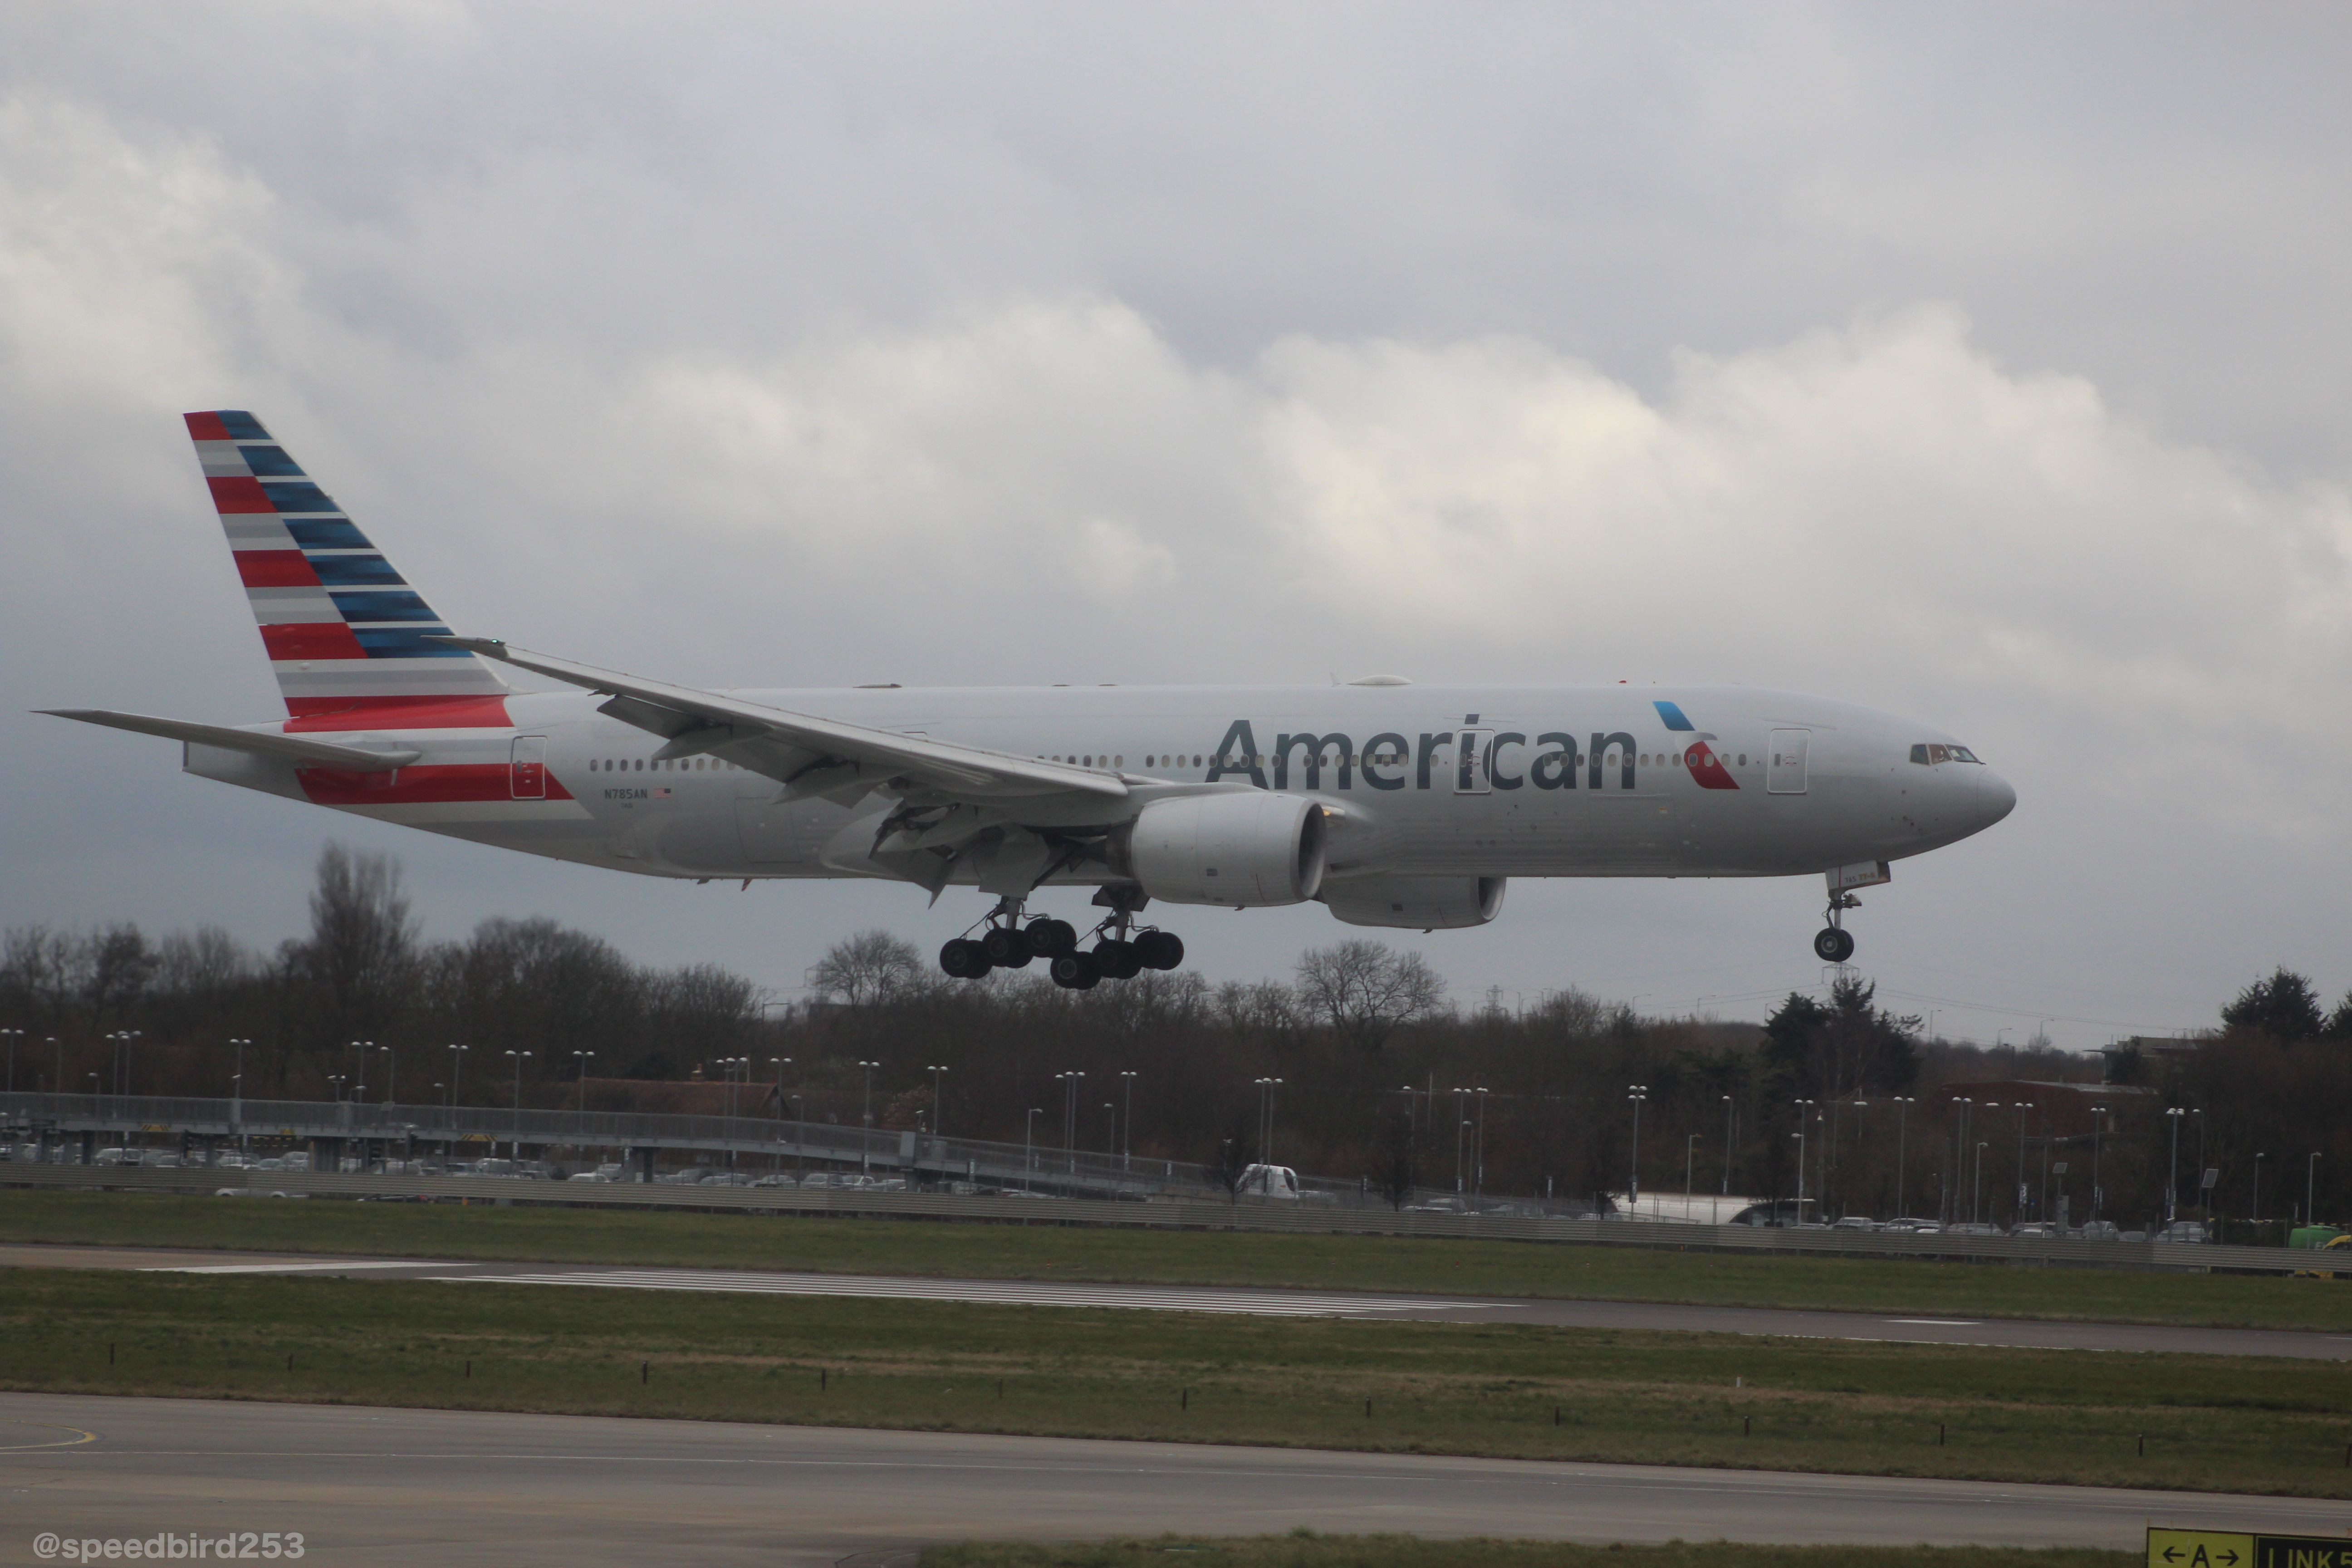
(1192,1213)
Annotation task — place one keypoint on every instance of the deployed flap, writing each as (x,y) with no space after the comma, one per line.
(291,748)
(962,771)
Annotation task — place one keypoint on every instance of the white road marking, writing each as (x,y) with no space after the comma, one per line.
(998,1292)
(1939,1323)
(280,1267)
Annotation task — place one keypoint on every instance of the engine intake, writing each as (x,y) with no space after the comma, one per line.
(1416,903)
(1243,850)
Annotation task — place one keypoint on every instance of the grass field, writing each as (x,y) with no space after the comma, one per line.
(846,1244)
(2204,1421)
(1307,1549)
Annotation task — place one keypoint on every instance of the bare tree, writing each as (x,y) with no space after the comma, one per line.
(1365,989)
(872,966)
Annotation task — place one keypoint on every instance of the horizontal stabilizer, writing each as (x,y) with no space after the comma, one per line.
(289,748)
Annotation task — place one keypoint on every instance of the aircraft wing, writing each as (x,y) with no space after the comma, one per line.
(818,754)
(290,748)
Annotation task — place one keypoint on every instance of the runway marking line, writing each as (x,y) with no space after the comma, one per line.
(1941,1323)
(274,1268)
(993,1293)
(74,1442)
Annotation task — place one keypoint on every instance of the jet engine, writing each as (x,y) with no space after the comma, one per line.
(1244,849)
(1418,903)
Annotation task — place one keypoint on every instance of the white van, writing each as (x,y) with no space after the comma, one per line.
(1278,1182)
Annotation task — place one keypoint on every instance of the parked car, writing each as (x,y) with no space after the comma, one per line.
(2097,1230)
(1855,1222)
(1972,1228)
(589,1176)
(2035,1228)
(778,1180)
(2182,1230)
(115,1157)
(1277,1182)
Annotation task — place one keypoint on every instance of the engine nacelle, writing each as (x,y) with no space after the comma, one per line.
(1417,903)
(1240,848)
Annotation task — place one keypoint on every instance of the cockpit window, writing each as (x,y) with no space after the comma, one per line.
(1936,752)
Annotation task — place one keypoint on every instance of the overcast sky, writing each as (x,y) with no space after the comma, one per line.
(1989,364)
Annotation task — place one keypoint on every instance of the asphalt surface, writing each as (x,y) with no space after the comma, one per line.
(1919,1329)
(463,1488)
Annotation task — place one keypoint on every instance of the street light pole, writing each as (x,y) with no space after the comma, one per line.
(1636,1093)
(780,1064)
(585,1057)
(938,1106)
(1902,1116)
(1690,1154)
(1029,1146)
(2311,1189)
(1804,1108)
(1127,1145)
(14,1035)
(456,1070)
(864,1149)
(1726,1146)
(2173,1113)
(518,1057)
(2254,1210)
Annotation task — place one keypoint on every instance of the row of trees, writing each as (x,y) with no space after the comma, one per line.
(119,1012)
(1358,1060)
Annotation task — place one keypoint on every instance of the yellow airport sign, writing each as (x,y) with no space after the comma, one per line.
(2230,1549)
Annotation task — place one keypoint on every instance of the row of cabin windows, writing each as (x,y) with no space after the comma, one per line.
(680,764)
(1385,760)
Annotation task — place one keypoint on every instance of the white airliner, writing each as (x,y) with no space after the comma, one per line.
(1389,802)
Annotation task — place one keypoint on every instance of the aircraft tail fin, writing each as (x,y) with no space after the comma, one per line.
(345,633)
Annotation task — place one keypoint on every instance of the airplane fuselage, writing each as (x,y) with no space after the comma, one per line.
(1421,780)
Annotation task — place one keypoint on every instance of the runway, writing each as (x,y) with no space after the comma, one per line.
(1916,1329)
(465,1488)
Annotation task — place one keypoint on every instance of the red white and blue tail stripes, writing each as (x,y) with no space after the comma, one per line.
(344,631)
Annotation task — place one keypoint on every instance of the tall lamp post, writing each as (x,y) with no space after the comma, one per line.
(236,1092)
(518,1057)
(1804,1110)
(14,1035)
(1029,1146)
(1636,1094)
(585,1058)
(1127,1145)
(1266,1088)
(2098,1125)
(939,1105)
(2311,1189)
(2173,1113)
(456,1070)
(1728,1108)
(1903,1105)
(780,1064)
(866,1119)
(1069,1081)
(2254,1210)
(1690,1154)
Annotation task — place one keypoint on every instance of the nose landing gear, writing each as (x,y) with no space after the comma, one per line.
(1833,943)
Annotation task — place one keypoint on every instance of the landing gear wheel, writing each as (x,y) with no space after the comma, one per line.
(1074,970)
(1048,936)
(1117,959)
(963,960)
(1833,944)
(1159,949)
(1006,946)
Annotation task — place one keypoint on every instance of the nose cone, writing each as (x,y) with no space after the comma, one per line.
(1995,799)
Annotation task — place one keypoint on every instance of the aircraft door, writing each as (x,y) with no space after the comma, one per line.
(527,777)
(1473,758)
(1784,770)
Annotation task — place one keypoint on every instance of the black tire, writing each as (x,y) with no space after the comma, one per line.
(1117,959)
(1832,945)
(1074,970)
(1048,936)
(1002,943)
(1159,948)
(963,960)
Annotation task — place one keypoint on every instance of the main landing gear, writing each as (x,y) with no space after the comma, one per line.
(1120,953)
(1833,943)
